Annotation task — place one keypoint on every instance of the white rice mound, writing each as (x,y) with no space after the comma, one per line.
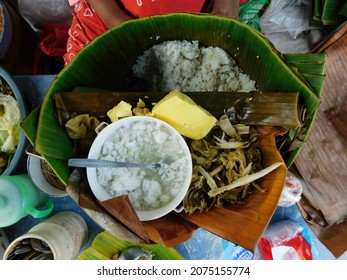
(188,67)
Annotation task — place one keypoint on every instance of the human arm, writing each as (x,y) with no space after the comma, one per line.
(226,8)
(109,12)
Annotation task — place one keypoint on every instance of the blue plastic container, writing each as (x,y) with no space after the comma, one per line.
(20,152)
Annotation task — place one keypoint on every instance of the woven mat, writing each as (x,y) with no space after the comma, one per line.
(322,162)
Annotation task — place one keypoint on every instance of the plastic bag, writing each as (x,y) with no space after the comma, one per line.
(292,191)
(9,124)
(249,12)
(39,13)
(285,240)
(207,246)
(286,16)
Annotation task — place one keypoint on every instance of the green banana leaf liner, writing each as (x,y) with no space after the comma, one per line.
(107,62)
(105,246)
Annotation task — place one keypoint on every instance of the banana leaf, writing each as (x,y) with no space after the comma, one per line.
(318,8)
(30,124)
(105,246)
(312,68)
(316,13)
(343,11)
(311,58)
(107,61)
(309,68)
(330,14)
(327,12)
(316,82)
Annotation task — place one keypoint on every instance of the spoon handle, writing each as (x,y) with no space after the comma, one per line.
(83,162)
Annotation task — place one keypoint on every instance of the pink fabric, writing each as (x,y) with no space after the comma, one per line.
(73,2)
(144,8)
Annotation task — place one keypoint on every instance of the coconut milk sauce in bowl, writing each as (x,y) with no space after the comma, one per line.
(152,192)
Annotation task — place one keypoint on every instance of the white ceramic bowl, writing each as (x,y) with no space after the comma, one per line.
(39,180)
(184,170)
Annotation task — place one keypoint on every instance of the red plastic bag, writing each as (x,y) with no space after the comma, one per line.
(284,240)
(53,39)
(52,45)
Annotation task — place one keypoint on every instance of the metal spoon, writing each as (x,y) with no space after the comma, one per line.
(40,246)
(31,249)
(86,162)
(131,253)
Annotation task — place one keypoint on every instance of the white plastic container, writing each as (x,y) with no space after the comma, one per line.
(65,233)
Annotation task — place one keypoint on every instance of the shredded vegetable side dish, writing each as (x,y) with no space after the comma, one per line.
(227,163)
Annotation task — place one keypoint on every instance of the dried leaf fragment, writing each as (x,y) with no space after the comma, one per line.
(245,179)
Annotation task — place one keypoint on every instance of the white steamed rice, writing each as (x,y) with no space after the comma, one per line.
(188,67)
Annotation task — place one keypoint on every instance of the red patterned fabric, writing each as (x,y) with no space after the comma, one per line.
(86,26)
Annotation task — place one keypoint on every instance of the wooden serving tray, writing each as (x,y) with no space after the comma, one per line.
(245,224)
(240,224)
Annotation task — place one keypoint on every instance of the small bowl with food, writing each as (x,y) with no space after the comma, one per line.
(12,111)
(43,177)
(146,140)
